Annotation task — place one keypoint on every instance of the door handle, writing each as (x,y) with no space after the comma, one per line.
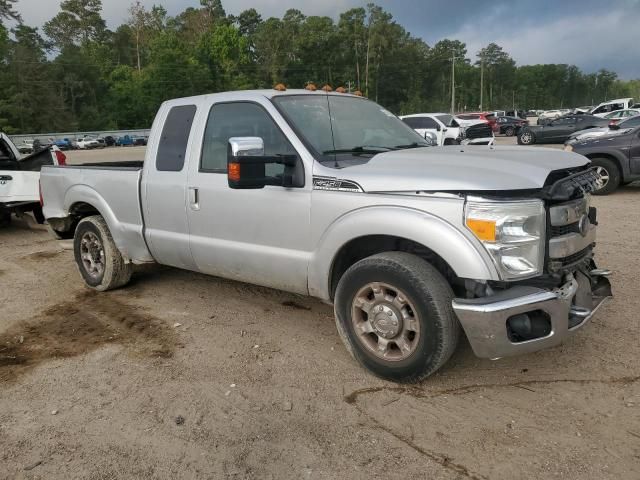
(194,198)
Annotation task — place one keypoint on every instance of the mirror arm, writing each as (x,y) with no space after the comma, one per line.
(287,160)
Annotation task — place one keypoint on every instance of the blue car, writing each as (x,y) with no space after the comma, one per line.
(124,141)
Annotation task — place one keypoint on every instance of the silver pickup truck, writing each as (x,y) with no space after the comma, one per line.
(332,196)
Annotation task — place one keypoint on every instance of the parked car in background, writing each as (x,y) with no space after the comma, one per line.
(611,129)
(490,118)
(25,147)
(616,158)
(612,106)
(517,114)
(109,140)
(124,141)
(19,177)
(65,144)
(619,115)
(139,140)
(87,143)
(559,130)
(510,126)
(442,125)
(582,110)
(548,115)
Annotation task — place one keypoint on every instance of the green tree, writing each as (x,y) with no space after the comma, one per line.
(78,22)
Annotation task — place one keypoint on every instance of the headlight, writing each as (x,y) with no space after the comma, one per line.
(512,232)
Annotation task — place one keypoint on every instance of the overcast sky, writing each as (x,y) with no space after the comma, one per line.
(592,34)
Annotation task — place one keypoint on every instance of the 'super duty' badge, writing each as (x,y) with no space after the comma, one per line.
(335,184)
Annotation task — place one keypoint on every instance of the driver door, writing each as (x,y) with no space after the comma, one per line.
(560,129)
(259,236)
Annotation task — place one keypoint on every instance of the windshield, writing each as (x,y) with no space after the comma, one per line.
(342,130)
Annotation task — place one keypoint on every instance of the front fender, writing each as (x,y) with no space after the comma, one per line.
(458,248)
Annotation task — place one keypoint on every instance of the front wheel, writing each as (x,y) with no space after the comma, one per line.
(609,175)
(394,315)
(526,138)
(510,131)
(98,259)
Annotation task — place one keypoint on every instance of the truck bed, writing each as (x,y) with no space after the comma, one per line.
(112,189)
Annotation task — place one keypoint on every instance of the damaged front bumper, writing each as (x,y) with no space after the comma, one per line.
(525,319)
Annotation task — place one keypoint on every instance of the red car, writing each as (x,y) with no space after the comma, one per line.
(486,116)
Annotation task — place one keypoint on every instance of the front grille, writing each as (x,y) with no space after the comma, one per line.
(564,235)
(481,130)
(565,229)
(574,259)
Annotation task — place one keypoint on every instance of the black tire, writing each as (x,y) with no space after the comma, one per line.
(608,167)
(5,219)
(58,235)
(38,215)
(427,292)
(509,131)
(526,137)
(92,238)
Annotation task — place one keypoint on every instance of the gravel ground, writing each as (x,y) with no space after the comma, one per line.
(186,376)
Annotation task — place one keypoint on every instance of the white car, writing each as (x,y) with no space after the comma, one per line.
(87,143)
(550,115)
(447,129)
(19,179)
(612,106)
(620,115)
(443,125)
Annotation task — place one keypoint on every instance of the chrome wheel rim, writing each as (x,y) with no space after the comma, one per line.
(92,255)
(603,177)
(385,322)
(525,138)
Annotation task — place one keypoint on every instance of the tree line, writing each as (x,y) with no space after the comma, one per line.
(76,74)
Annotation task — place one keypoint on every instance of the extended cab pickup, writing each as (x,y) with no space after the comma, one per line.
(331,195)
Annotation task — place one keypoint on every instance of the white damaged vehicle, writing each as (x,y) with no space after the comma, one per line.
(19,179)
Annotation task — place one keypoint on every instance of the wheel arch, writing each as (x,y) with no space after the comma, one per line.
(82,201)
(614,158)
(365,232)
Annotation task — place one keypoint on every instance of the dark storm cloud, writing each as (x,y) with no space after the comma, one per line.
(592,34)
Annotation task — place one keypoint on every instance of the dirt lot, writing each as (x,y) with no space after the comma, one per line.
(186,376)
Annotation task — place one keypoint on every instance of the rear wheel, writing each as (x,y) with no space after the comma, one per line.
(394,315)
(609,175)
(98,259)
(5,219)
(526,138)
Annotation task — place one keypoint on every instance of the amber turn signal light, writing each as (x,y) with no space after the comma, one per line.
(485,230)
(234,172)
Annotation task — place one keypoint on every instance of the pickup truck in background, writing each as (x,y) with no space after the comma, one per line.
(332,196)
(19,176)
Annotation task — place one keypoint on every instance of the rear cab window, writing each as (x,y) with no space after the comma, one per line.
(172,147)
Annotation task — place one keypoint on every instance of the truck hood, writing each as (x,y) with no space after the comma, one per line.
(459,169)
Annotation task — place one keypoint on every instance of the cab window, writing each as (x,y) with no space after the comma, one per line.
(241,119)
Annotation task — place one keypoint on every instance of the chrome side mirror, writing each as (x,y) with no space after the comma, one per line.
(246,147)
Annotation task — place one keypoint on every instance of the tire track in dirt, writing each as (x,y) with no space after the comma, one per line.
(415,392)
(78,326)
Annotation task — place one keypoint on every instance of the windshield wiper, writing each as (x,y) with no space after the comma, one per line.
(412,145)
(368,149)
